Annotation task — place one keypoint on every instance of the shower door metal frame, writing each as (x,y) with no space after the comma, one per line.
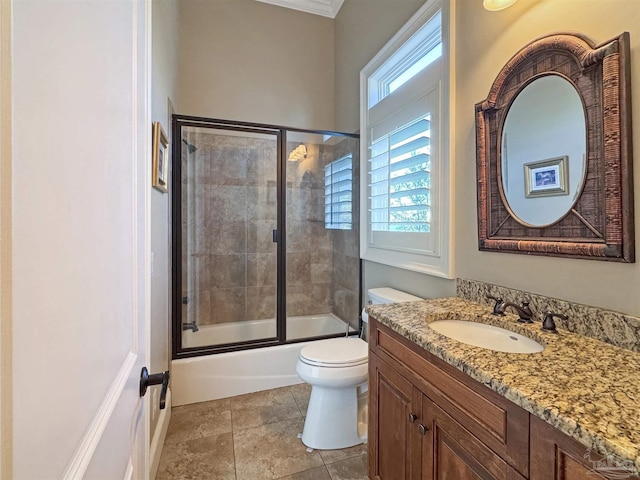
(179,121)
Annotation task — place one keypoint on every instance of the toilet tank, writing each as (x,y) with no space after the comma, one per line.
(389,295)
(377,296)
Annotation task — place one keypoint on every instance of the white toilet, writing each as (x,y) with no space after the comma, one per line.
(337,371)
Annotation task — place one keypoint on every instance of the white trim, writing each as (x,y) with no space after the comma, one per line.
(326,8)
(425,12)
(128,475)
(142,223)
(89,443)
(159,435)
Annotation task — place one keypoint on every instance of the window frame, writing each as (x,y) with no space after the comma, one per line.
(437,258)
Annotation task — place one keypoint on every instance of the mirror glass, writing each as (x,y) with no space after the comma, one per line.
(543,151)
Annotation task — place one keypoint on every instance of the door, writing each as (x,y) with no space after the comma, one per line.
(555,456)
(226,202)
(450,452)
(392,424)
(80,238)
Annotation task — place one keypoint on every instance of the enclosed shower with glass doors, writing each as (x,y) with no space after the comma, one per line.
(265,235)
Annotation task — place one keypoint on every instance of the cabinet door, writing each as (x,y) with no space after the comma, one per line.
(555,456)
(392,423)
(450,452)
(495,421)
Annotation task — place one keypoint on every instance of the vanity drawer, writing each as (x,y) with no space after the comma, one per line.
(499,423)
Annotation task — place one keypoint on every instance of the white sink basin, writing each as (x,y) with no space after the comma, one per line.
(486,336)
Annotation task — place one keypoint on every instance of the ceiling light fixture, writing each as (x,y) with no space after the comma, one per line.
(495,5)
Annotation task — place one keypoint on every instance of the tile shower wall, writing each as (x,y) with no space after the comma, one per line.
(228,212)
(229,201)
(345,284)
(309,244)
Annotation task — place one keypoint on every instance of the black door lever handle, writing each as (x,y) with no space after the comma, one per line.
(155,379)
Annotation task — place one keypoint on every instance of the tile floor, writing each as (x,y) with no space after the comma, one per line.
(252,437)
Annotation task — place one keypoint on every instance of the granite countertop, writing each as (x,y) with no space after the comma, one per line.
(588,389)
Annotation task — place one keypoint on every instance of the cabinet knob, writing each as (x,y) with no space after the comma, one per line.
(423,429)
(412,417)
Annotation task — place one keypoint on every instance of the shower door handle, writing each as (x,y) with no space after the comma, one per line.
(275,236)
(155,379)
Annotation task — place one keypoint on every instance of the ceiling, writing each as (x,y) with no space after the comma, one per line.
(326,8)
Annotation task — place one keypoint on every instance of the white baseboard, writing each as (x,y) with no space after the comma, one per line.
(160,433)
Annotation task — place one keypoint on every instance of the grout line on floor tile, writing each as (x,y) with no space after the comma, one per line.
(233,444)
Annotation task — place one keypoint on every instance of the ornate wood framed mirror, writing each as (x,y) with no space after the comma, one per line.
(554,153)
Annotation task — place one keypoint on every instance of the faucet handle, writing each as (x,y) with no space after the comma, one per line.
(498,308)
(548,324)
(525,313)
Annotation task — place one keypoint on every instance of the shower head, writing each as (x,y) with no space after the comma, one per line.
(190,148)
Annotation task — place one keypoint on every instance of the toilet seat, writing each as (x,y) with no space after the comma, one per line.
(335,353)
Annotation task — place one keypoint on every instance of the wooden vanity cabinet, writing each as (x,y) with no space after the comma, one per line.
(449,451)
(556,456)
(429,421)
(393,432)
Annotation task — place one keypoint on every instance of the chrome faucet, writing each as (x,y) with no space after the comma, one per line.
(190,326)
(523,310)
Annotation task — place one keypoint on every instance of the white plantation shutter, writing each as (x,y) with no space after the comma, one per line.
(338,192)
(400,188)
(403,156)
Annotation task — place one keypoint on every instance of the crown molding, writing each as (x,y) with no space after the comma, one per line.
(326,8)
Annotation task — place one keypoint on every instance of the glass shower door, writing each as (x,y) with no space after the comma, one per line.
(322,254)
(229,212)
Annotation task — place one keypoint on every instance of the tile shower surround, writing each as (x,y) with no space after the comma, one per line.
(228,213)
(346,247)
(608,326)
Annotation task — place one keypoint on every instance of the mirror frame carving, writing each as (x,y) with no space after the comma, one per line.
(600,224)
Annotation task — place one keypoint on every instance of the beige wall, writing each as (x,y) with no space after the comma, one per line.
(6,346)
(485,41)
(249,61)
(164,78)
(363,27)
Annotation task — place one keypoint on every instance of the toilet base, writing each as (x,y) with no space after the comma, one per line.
(333,417)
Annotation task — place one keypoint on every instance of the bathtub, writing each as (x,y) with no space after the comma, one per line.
(209,377)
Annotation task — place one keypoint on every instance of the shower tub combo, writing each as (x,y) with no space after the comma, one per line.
(236,188)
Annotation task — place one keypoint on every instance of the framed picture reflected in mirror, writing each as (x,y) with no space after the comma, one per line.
(546,177)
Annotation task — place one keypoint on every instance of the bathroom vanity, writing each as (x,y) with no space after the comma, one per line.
(441,409)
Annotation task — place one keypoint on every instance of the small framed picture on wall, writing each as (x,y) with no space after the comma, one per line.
(160,167)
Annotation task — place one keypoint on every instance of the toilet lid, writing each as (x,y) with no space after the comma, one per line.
(336,352)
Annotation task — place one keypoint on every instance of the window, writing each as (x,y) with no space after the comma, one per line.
(338,194)
(404,118)
(422,49)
